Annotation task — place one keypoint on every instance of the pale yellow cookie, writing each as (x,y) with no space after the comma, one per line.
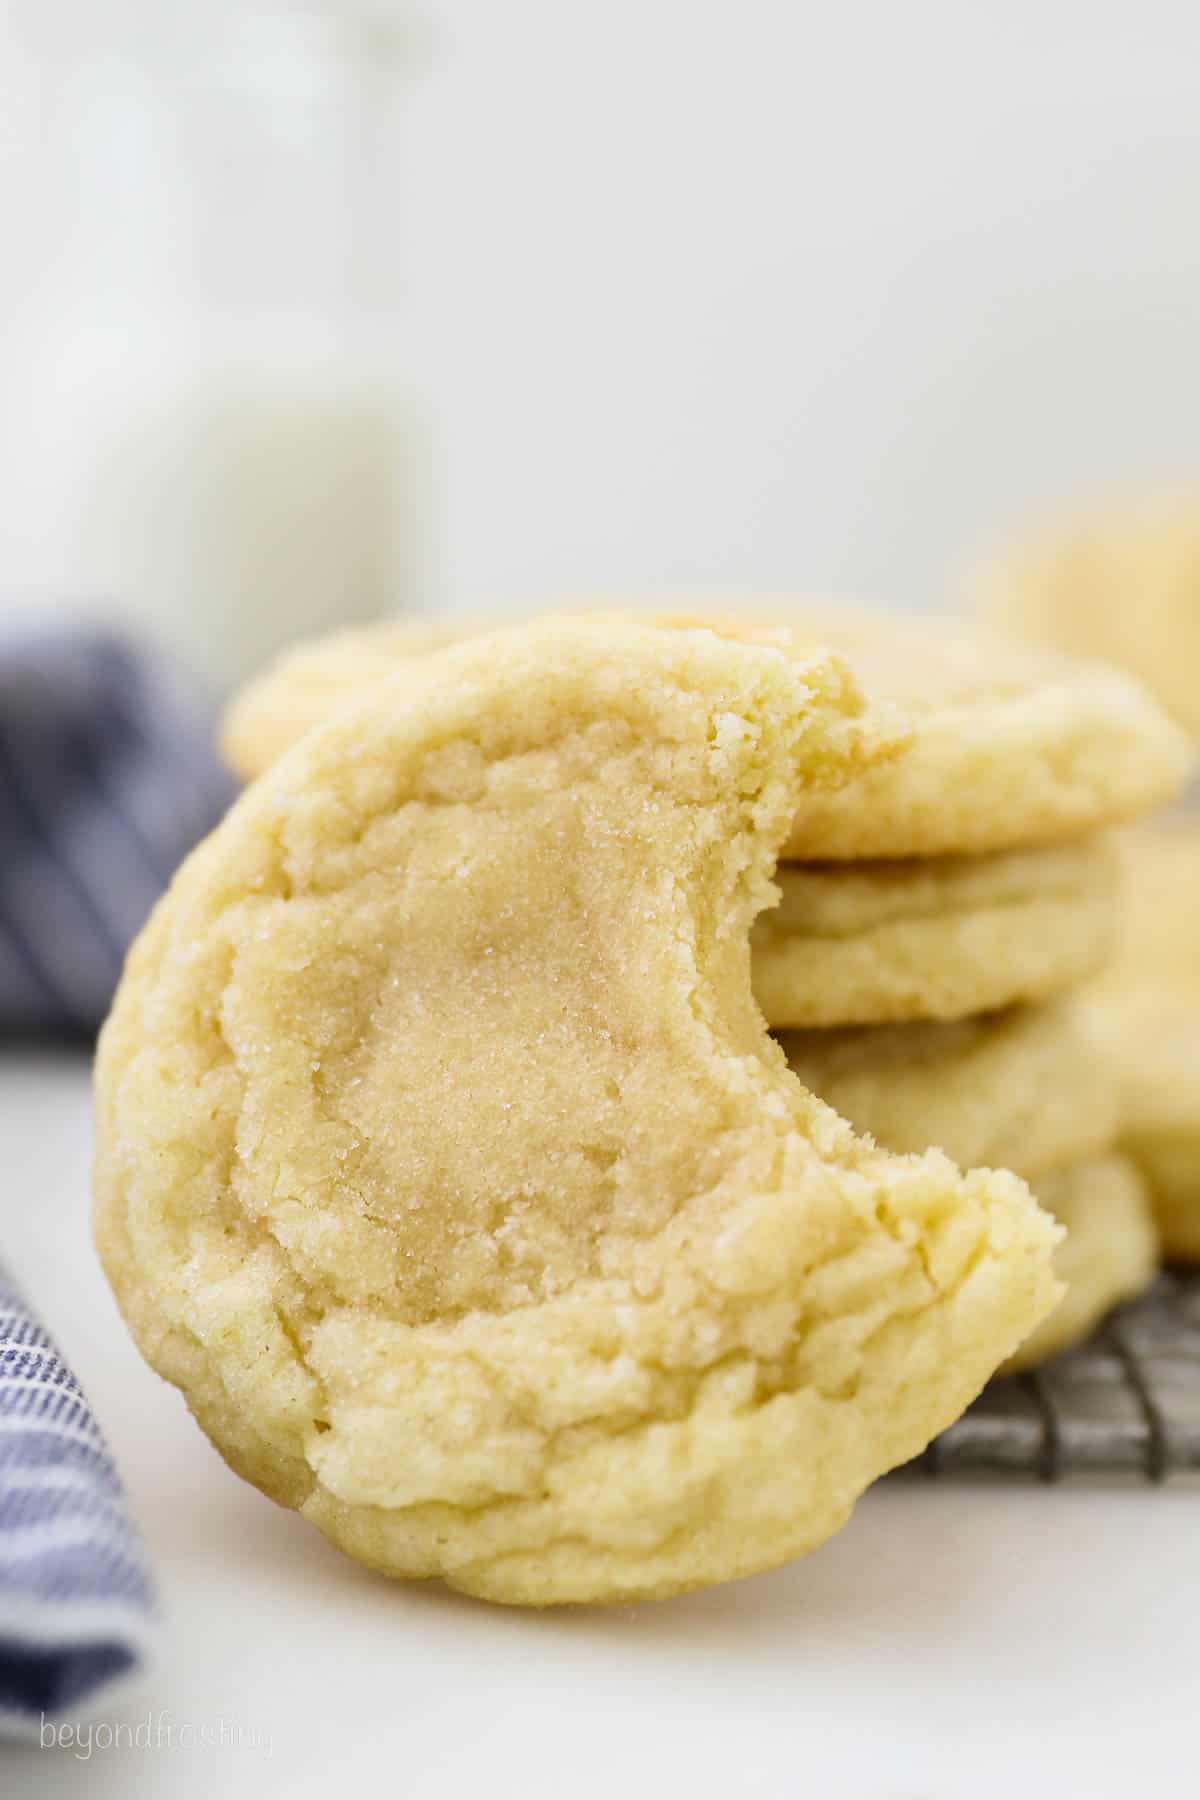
(1109,1255)
(938,938)
(1147,1009)
(1170,1162)
(1123,585)
(305,684)
(445,1164)
(1008,747)
(1026,1089)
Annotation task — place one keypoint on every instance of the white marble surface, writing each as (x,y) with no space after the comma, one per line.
(982,1641)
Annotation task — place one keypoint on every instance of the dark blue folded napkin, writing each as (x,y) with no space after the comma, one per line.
(76,1604)
(107,779)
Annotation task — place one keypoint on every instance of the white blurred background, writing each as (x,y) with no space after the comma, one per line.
(315,311)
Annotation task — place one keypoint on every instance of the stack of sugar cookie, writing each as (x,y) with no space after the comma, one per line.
(1125,585)
(922,963)
(933,960)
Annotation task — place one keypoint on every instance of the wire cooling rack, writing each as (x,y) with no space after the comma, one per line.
(1126,1401)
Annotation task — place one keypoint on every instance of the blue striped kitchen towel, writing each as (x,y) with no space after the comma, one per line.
(107,779)
(76,1603)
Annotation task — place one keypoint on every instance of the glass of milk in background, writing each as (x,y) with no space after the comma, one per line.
(204,431)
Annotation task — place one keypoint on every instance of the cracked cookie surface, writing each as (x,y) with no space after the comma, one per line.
(445,1164)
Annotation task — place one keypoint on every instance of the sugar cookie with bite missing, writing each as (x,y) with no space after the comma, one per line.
(446,1166)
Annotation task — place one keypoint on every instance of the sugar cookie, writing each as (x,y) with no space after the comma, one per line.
(936,938)
(1110,1252)
(303,685)
(1027,1089)
(1147,1010)
(1123,586)
(1010,747)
